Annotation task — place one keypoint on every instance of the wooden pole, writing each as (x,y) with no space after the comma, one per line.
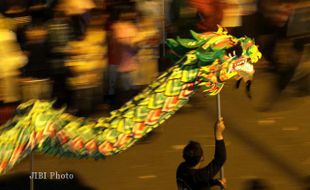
(31,172)
(219,115)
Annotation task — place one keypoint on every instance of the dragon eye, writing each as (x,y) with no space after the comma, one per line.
(235,50)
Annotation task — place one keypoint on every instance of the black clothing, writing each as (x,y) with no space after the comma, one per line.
(202,179)
(38,66)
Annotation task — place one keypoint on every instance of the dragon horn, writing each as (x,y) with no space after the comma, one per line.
(221,30)
(195,35)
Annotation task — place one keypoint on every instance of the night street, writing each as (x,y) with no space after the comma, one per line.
(65,65)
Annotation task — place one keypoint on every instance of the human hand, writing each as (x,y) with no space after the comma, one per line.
(223,182)
(219,128)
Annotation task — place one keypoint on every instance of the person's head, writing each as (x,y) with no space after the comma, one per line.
(193,153)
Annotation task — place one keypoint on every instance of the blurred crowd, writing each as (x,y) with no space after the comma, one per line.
(104,51)
(77,50)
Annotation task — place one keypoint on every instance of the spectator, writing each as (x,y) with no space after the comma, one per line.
(12,59)
(149,40)
(210,13)
(122,52)
(37,50)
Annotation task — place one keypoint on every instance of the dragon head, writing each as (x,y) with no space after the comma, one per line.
(220,57)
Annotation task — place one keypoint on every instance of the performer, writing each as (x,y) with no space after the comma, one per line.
(190,174)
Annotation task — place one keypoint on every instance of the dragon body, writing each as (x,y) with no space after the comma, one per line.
(205,62)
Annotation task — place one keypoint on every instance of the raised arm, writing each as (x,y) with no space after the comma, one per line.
(205,174)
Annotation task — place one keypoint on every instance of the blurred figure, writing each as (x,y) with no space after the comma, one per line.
(256,184)
(79,11)
(302,73)
(37,49)
(190,174)
(253,21)
(148,39)
(41,10)
(299,31)
(12,59)
(36,73)
(210,13)
(59,34)
(122,50)
(232,20)
(86,64)
(283,54)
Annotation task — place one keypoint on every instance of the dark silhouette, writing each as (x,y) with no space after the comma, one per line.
(190,175)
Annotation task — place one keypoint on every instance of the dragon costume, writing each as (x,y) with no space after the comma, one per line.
(205,62)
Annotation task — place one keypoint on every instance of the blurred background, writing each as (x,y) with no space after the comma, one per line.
(103,52)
